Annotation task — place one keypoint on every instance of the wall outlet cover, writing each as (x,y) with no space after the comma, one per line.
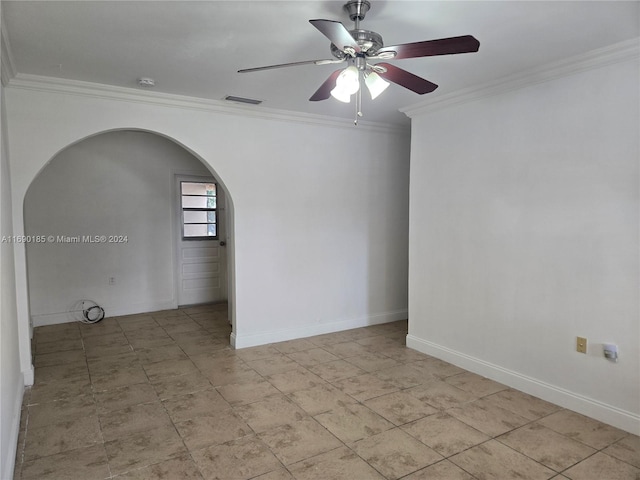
(581,344)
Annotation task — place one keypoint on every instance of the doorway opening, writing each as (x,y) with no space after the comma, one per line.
(200,241)
(118,186)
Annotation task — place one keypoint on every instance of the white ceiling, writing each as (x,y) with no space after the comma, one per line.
(195,47)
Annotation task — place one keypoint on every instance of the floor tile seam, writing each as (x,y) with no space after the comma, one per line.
(339,379)
(342,378)
(253,433)
(95,403)
(627,435)
(21,448)
(193,460)
(100,334)
(95,376)
(459,466)
(106,456)
(286,396)
(162,376)
(483,396)
(282,464)
(34,350)
(602,450)
(404,477)
(530,421)
(450,457)
(400,425)
(363,405)
(446,457)
(312,457)
(108,412)
(366,399)
(498,439)
(512,411)
(442,459)
(58,399)
(158,462)
(288,355)
(57,380)
(42,457)
(95,391)
(576,439)
(54,338)
(350,446)
(370,372)
(175,429)
(343,444)
(493,437)
(266,377)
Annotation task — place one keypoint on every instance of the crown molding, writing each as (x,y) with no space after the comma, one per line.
(7,67)
(620,52)
(130,95)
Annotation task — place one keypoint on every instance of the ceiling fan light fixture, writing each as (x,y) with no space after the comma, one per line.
(375,84)
(349,80)
(359,46)
(341,95)
(347,83)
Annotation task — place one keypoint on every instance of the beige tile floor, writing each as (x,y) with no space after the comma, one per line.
(163,396)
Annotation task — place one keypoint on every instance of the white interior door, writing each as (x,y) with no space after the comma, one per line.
(201,252)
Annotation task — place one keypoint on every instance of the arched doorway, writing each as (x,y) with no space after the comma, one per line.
(106,208)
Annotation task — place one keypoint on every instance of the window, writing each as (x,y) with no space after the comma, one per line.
(199,211)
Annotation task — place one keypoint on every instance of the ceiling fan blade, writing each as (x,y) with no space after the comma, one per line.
(405,79)
(292,64)
(324,91)
(428,48)
(337,33)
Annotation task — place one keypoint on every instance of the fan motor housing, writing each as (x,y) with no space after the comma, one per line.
(370,42)
(357,9)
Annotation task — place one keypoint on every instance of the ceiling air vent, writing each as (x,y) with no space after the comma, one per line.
(250,101)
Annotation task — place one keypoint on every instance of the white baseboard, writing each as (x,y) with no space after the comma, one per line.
(263,338)
(29,376)
(110,311)
(8,462)
(609,414)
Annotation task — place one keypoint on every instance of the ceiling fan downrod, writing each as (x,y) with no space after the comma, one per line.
(357,10)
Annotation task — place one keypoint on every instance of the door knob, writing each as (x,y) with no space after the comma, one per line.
(222,243)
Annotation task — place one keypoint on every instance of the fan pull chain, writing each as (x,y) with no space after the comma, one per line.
(358,102)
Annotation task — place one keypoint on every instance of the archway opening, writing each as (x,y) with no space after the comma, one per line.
(103,215)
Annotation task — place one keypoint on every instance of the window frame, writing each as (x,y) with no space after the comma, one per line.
(196,209)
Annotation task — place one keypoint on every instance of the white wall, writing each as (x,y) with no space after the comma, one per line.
(321,208)
(114,184)
(11,378)
(524,234)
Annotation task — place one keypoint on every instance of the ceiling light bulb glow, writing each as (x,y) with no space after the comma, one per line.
(375,84)
(349,80)
(340,94)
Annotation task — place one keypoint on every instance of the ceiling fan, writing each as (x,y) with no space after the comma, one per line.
(358,47)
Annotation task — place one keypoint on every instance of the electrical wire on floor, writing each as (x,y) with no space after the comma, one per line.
(87,311)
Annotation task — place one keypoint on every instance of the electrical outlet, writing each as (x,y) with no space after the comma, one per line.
(581,345)
(112,280)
